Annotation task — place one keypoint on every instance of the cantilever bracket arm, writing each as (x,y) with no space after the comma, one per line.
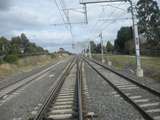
(102,1)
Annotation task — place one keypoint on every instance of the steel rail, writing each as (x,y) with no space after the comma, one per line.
(152,91)
(56,87)
(23,84)
(142,112)
(79,88)
(45,67)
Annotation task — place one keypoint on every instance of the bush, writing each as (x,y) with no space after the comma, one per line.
(52,56)
(11,58)
(1,61)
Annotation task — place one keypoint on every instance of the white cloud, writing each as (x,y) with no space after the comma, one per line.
(34,18)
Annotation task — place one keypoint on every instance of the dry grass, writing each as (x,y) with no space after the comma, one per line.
(27,64)
(151,65)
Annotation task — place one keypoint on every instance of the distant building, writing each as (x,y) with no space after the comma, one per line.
(62,50)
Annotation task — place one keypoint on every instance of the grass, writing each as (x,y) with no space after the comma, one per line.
(27,64)
(150,65)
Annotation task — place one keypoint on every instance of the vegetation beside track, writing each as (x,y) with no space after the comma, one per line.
(151,65)
(29,63)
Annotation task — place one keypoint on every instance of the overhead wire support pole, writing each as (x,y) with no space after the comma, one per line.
(85,13)
(66,13)
(93,2)
(90,53)
(85,8)
(139,70)
(102,50)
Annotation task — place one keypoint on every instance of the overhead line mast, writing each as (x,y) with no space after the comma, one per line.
(139,70)
(66,18)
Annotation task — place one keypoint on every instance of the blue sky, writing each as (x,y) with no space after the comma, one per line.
(36,18)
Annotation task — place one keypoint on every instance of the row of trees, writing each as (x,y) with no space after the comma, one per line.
(124,42)
(148,14)
(96,48)
(18,46)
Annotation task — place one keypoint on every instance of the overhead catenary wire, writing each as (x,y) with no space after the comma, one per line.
(103,27)
(98,30)
(56,3)
(102,13)
(66,14)
(94,26)
(115,7)
(61,9)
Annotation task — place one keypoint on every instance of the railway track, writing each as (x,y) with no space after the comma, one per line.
(8,90)
(32,76)
(65,100)
(143,99)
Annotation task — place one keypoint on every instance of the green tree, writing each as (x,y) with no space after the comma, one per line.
(109,46)
(16,45)
(14,49)
(13,58)
(149,21)
(25,40)
(31,48)
(4,46)
(98,48)
(93,47)
(129,47)
(10,50)
(124,35)
(22,45)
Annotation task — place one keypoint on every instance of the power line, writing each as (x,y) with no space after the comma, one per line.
(115,7)
(94,26)
(56,3)
(62,5)
(66,14)
(103,13)
(102,24)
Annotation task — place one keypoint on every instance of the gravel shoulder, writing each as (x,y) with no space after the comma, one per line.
(105,103)
(153,84)
(20,76)
(126,65)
